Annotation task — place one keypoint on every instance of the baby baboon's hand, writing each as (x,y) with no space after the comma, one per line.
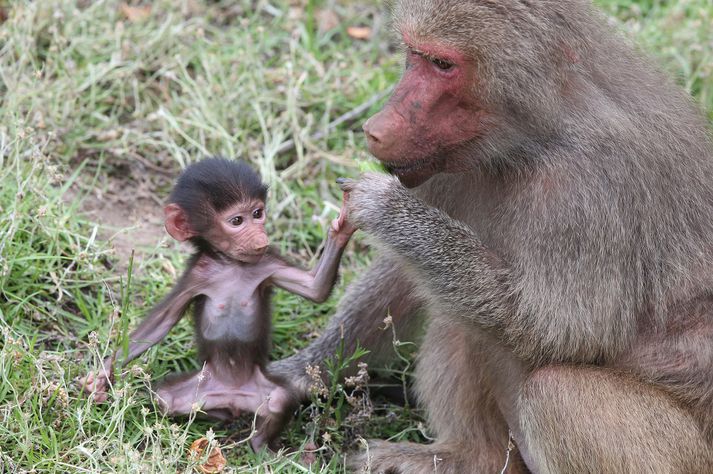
(96,385)
(341,229)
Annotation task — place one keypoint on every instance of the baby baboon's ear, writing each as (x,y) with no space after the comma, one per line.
(176,223)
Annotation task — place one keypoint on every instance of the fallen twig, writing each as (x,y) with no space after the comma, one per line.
(347,117)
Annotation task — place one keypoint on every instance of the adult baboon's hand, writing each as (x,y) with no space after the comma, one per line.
(373,197)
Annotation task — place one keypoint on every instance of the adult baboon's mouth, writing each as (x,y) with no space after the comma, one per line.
(412,174)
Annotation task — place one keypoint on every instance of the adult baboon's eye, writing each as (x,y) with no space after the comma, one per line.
(236,221)
(442,64)
(257,213)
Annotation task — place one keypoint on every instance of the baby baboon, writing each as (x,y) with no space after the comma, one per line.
(219,206)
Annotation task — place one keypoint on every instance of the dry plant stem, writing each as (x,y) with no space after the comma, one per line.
(511,446)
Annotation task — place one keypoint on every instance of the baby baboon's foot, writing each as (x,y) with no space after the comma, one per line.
(383,457)
(280,400)
(164,400)
(272,418)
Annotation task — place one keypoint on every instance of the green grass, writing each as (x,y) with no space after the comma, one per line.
(93,104)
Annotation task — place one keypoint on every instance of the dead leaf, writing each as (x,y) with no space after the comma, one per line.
(327,19)
(359,32)
(137,13)
(108,135)
(216,461)
(193,8)
(295,13)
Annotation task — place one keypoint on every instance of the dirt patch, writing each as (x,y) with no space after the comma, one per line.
(127,203)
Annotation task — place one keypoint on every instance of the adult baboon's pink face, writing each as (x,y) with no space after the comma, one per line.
(431,112)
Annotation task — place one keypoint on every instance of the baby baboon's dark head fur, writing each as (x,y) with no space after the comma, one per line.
(214,184)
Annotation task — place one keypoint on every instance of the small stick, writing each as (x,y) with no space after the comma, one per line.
(349,116)
(511,446)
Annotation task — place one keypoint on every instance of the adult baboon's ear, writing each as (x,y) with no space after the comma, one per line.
(176,223)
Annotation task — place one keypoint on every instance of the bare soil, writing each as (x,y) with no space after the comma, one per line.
(127,203)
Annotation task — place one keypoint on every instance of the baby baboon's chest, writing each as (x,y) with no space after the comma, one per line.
(234,307)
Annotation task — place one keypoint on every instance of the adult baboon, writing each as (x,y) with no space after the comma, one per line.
(558,235)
